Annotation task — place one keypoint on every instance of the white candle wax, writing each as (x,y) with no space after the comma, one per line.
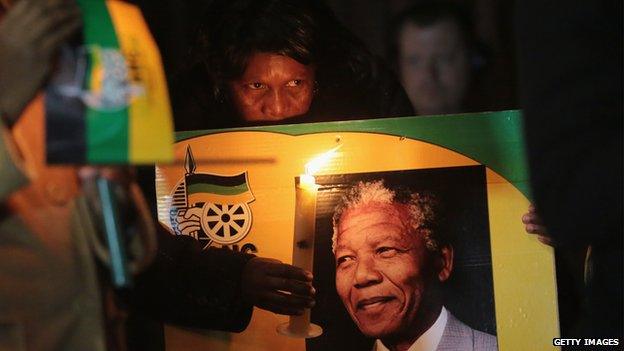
(305,217)
(303,248)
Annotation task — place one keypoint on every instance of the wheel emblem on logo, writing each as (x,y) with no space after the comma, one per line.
(226,223)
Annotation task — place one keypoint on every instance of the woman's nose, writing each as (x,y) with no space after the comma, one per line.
(275,105)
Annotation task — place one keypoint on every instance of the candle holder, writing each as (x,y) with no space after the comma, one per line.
(303,252)
(300,327)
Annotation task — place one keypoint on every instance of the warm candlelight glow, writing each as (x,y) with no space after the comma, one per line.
(320,161)
(306,181)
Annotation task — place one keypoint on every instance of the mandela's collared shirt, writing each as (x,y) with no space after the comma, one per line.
(428,341)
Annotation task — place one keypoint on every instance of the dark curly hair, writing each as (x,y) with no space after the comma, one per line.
(304,30)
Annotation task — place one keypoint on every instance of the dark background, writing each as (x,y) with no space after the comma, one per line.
(174,24)
(469,291)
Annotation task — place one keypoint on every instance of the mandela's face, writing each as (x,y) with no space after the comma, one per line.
(383,268)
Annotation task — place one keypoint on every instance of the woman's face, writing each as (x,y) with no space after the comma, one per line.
(272,88)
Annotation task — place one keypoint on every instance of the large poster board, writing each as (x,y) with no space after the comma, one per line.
(505,283)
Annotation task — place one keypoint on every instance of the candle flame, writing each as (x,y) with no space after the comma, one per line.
(320,161)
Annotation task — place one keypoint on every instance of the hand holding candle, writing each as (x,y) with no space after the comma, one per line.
(277,287)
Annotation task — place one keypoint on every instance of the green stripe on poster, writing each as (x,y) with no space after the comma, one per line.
(494,139)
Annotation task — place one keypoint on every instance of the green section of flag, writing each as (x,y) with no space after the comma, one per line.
(98,27)
(217,189)
(106,130)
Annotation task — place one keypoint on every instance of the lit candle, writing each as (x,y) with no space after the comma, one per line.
(303,251)
(303,243)
(305,217)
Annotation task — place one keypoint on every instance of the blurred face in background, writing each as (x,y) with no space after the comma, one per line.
(434,65)
(272,88)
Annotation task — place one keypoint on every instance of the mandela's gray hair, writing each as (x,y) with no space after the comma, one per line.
(422,208)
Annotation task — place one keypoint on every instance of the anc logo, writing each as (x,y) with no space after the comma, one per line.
(211,208)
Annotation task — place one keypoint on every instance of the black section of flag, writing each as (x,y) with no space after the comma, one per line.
(225,181)
(65,113)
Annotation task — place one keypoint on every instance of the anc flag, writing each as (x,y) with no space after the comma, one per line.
(217,189)
(108,102)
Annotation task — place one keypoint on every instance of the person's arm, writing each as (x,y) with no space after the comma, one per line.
(217,288)
(30,33)
(11,175)
(194,288)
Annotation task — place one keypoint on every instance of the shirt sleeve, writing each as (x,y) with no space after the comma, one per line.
(11,175)
(192,287)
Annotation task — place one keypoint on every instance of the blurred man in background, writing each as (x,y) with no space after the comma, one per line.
(435,56)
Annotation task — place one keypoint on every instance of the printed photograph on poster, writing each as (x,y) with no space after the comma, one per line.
(402,254)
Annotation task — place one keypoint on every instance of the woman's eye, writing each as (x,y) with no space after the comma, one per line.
(256,85)
(387,252)
(294,83)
